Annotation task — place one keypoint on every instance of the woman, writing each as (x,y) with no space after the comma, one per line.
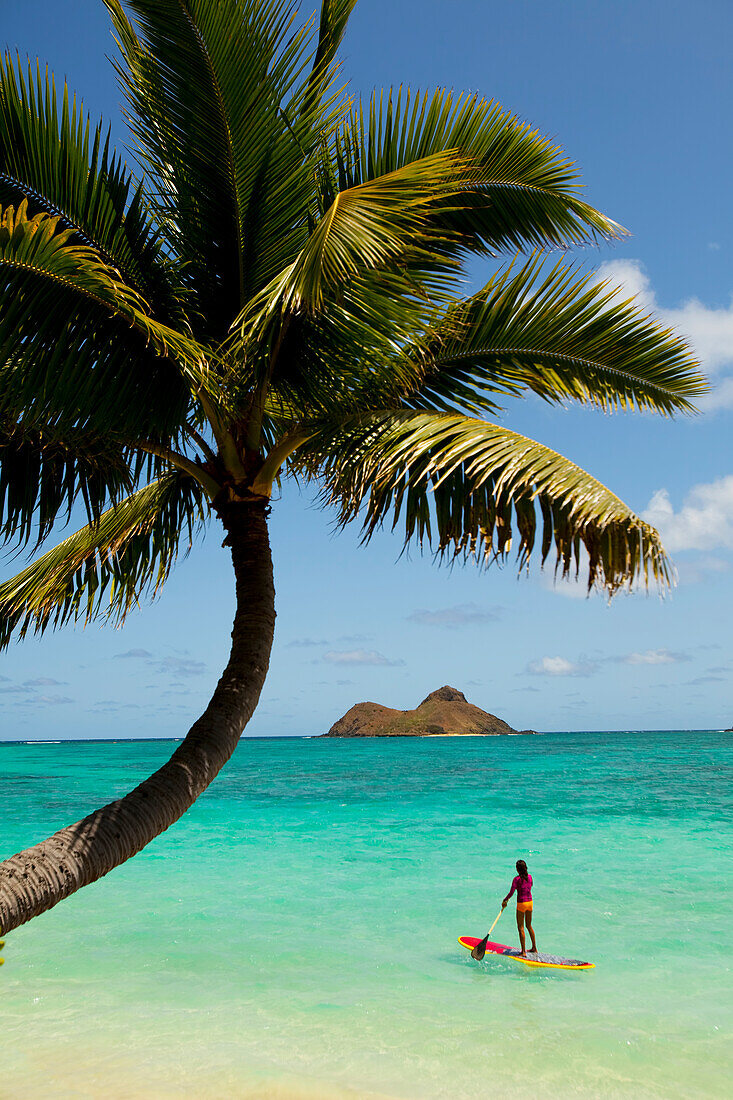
(522,883)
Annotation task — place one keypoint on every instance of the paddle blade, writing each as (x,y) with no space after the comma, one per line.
(480,949)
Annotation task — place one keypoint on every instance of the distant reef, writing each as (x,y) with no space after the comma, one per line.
(445,713)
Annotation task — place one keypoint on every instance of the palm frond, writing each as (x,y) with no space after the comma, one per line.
(523,192)
(371,272)
(77,342)
(381,222)
(51,157)
(563,336)
(332,27)
(216,96)
(338,360)
(44,473)
(464,487)
(104,569)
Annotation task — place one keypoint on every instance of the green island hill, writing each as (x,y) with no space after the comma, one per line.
(444,713)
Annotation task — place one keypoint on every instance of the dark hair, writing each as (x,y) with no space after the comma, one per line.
(522,868)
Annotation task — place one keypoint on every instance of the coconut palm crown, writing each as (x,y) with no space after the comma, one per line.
(276,294)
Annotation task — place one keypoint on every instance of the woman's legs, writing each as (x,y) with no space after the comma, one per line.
(530,929)
(520,926)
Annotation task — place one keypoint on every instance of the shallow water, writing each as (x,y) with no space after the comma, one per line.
(295,935)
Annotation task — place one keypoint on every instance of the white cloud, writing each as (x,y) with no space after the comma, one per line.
(28,687)
(570,587)
(631,277)
(721,397)
(112,705)
(654,657)
(709,330)
(560,666)
(700,569)
(174,666)
(179,666)
(359,657)
(467,614)
(704,522)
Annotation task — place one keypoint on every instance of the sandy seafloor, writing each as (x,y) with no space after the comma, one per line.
(295,935)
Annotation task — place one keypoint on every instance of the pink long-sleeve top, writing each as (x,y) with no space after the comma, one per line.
(523,886)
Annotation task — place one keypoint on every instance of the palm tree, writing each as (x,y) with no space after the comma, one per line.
(276,295)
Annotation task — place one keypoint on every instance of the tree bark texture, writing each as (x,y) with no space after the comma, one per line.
(39,877)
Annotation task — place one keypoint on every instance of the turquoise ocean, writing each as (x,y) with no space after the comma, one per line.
(295,934)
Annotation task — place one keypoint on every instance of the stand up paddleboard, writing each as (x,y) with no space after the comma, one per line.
(555,962)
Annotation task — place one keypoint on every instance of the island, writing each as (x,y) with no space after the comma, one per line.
(445,713)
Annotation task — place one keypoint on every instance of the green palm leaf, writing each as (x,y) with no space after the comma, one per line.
(464,487)
(561,335)
(106,567)
(50,157)
(334,17)
(43,473)
(343,357)
(76,342)
(523,191)
(216,92)
(382,222)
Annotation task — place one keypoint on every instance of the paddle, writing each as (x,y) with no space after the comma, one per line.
(480,949)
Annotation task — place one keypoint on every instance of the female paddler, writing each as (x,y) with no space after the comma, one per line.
(522,883)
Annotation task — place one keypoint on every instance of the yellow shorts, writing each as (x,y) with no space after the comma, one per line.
(524,906)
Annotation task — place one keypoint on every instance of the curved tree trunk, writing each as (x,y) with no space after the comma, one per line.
(39,877)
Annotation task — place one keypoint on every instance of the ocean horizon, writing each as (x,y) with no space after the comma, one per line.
(113,738)
(294,936)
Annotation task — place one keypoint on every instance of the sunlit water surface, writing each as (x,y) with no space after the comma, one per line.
(295,935)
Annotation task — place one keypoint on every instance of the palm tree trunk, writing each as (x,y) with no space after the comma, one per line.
(39,877)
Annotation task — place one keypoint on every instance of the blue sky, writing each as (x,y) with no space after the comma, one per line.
(635,92)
